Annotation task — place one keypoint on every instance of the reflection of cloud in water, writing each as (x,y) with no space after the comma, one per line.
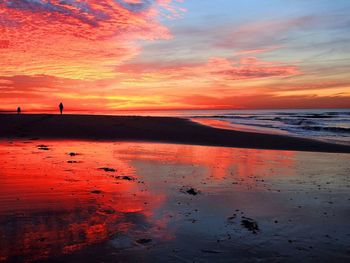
(52,209)
(42,234)
(49,208)
(218,162)
(56,207)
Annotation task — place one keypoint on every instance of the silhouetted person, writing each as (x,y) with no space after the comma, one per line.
(61,107)
(19,110)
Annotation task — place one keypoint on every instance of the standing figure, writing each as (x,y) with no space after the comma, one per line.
(61,107)
(19,110)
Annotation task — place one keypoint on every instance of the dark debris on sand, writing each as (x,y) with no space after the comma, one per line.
(107,169)
(190,191)
(250,224)
(72,154)
(144,241)
(231,219)
(96,192)
(124,177)
(43,147)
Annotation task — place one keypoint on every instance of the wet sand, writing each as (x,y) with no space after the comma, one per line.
(152,129)
(223,124)
(74,201)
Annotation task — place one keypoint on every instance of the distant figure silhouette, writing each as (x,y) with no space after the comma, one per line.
(19,110)
(61,107)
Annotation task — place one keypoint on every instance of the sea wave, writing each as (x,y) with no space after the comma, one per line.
(290,121)
(327,129)
(316,124)
(227,116)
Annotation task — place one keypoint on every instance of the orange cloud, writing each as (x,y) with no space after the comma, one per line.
(141,86)
(86,54)
(75,39)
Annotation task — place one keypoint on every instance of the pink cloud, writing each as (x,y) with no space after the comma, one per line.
(76,39)
(223,68)
(257,51)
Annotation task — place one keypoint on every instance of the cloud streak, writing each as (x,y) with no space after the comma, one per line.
(216,68)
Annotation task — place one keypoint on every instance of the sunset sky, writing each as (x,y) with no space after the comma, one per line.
(174,54)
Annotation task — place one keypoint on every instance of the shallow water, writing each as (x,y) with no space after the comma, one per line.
(331,125)
(57,207)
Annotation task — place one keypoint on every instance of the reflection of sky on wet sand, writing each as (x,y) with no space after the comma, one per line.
(50,208)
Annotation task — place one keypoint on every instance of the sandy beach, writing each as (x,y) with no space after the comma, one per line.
(151,129)
(74,201)
(180,131)
(162,189)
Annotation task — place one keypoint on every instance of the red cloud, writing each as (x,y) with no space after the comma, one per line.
(75,39)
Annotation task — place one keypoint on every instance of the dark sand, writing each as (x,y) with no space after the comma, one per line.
(152,129)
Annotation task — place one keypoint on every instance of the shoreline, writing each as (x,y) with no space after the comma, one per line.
(150,129)
(224,124)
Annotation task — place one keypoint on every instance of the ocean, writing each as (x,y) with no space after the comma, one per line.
(332,125)
(326,124)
